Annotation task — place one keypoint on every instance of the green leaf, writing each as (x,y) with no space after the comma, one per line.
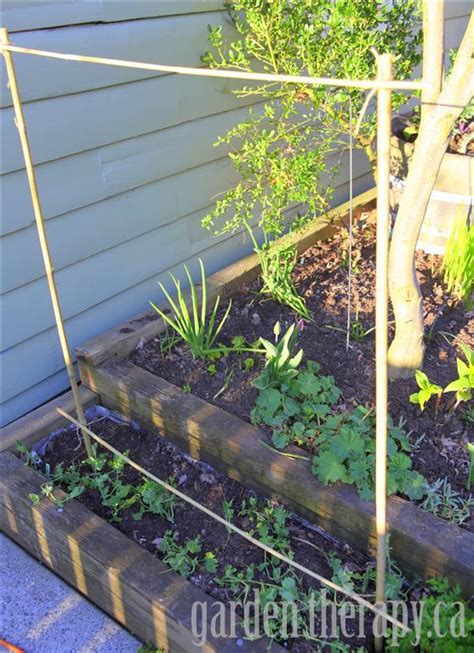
(280,439)
(289,589)
(328,469)
(421,379)
(346,443)
(210,562)
(416,487)
(309,384)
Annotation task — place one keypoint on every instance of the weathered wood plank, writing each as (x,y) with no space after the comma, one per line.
(421,543)
(43,420)
(118,575)
(120,341)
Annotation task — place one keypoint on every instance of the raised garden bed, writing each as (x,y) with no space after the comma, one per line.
(119,567)
(421,542)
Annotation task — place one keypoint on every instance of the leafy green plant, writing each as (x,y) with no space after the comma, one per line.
(153,498)
(464,384)
(184,558)
(346,453)
(198,330)
(458,260)
(441,609)
(104,474)
(281,150)
(277,263)
(280,366)
(441,500)
(427,390)
(364,582)
(296,409)
(269,523)
(28,457)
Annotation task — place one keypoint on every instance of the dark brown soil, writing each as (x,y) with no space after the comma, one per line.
(322,278)
(311,545)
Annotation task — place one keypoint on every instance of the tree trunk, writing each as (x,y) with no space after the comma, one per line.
(433,50)
(407,349)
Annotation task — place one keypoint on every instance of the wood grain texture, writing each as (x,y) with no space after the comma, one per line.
(30,428)
(421,543)
(116,574)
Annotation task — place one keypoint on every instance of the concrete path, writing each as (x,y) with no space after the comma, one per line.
(41,614)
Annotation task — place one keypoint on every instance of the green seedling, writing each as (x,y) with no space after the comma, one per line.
(464,384)
(427,390)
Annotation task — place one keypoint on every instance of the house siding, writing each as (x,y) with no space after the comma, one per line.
(126,170)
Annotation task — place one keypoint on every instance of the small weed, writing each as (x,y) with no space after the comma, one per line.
(249,364)
(462,386)
(30,458)
(187,389)
(184,558)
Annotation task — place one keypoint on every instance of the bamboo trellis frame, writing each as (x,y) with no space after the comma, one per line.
(383,86)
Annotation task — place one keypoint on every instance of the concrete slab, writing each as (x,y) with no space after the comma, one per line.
(41,614)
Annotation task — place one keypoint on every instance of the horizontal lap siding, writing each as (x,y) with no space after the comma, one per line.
(126,170)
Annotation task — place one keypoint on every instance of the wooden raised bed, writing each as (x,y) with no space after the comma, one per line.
(421,543)
(123,579)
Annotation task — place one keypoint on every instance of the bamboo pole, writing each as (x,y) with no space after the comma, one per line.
(48,265)
(433,49)
(384,66)
(401,85)
(229,525)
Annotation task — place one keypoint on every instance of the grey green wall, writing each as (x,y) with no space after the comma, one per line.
(126,170)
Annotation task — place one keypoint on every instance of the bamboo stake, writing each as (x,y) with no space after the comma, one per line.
(433,49)
(292,563)
(48,265)
(402,85)
(384,65)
